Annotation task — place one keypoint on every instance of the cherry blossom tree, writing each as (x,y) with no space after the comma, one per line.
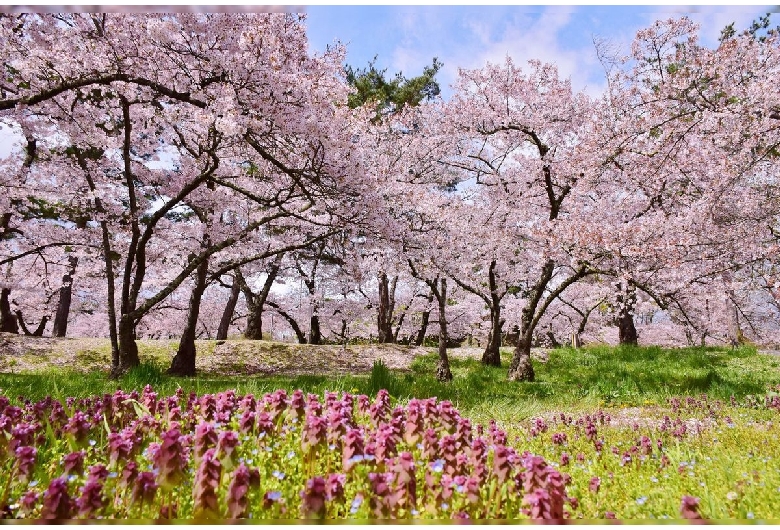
(234,102)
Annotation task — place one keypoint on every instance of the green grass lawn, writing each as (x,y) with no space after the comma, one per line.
(728,457)
(574,380)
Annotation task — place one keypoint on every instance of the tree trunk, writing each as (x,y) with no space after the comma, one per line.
(551,340)
(420,339)
(521,368)
(230,309)
(443,372)
(492,355)
(398,327)
(254,321)
(290,320)
(385,312)
(626,329)
(315,336)
(183,363)
(128,349)
(8,322)
(626,300)
(63,306)
(38,332)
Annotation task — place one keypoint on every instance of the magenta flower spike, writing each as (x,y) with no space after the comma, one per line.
(364,404)
(414,424)
(334,487)
(144,488)
(352,449)
(237,502)
(73,463)
(205,438)
(57,503)
(92,500)
(98,472)
(206,485)
(246,424)
(247,403)
(265,423)
(430,450)
(25,460)
(129,475)
(689,508)
(314,432)
(313,405)
(227,441)
(208,407)
(28,502)
(313,498)
(170,461)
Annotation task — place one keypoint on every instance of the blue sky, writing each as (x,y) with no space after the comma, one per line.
(406,38)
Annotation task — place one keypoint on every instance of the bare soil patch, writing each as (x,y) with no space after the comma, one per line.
(20,354)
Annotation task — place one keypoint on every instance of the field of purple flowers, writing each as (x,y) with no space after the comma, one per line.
(143,456)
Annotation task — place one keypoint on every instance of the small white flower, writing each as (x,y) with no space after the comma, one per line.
(653,479)
(445,506)
(278,474)
(732,495)
(92,443)
(750,515)
(641,500)
(290,455)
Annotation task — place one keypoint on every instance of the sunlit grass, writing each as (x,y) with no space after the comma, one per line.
(572,379)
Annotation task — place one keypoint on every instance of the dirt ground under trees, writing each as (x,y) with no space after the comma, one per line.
(233,357)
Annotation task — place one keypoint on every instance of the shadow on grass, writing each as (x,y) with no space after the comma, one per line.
(633,373)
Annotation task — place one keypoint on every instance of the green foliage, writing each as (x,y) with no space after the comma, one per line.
(759,29)
(381,378)
(391,95)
